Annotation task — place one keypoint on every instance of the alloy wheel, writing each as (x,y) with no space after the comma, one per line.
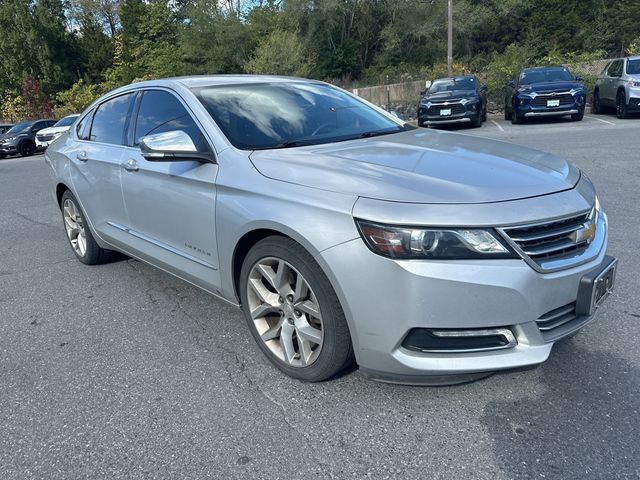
(75,227)
(285,312)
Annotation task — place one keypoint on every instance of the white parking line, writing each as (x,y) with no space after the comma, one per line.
(497,125)
(600,120)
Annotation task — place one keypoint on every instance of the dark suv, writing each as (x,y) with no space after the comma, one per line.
(21,138)
(453,100)
(545,91)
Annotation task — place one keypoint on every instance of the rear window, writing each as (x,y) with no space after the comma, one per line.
(110,119)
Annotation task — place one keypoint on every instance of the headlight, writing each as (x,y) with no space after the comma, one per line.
(631,83)
(433,243)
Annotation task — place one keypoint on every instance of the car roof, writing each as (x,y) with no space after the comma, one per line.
(548,67)
(459,77)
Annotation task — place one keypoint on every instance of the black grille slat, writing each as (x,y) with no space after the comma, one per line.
(541,100)
(456,109)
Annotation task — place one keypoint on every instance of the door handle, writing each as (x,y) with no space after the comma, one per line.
(82,156)
(130,165)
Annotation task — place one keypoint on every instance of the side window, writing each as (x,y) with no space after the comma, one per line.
(38,126)
(110,120)
(615,70)
(83,127)
(161,112)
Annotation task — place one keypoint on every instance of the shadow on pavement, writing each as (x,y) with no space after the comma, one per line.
(584,425)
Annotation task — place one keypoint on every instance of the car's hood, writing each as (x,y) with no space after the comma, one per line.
(554,86)
(443,96)
(53,130)
(422,166)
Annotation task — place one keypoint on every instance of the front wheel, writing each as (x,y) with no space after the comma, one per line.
(26,149)
(621,106)
(293,311)
(507,113)
(515,118)
(576,117)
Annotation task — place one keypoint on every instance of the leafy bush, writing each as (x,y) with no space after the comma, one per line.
(77,98)
(281,53)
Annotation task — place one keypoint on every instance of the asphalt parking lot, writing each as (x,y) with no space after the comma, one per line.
(122,371)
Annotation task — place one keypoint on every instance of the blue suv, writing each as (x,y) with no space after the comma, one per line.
(545,91)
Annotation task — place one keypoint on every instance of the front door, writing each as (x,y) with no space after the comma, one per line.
(171,205)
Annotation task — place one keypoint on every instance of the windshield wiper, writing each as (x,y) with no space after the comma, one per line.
(287,144)
(376,133)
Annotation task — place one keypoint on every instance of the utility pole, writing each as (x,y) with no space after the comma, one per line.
(450,37)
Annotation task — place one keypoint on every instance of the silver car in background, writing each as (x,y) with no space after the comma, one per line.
(344,234)
(618,86)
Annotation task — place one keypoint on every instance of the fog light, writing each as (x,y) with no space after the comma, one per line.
(459,341)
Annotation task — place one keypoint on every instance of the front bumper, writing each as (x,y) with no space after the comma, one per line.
(9,149)
(526,106)
(42,145)
(384,299)
(634,104)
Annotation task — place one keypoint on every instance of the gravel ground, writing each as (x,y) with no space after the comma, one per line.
(122,371)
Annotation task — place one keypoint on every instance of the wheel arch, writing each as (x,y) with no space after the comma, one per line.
(60,189)
(252,237)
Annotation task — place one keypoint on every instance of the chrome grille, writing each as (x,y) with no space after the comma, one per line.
(558,239)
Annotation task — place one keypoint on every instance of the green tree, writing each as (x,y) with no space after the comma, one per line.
(281,53)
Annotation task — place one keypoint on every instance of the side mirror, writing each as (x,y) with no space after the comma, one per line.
(423,92)
(483,87)
(173,146)
(579,78)
(511,83)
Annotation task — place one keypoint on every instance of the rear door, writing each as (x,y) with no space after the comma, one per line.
(614,72)
(95,160)
(171,205)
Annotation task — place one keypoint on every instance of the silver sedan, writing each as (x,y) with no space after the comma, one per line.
(345,235)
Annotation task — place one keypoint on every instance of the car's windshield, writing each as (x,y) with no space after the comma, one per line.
(633,66)
(451,84)
(277,115)
(559,74)
(19,127)
(66,121)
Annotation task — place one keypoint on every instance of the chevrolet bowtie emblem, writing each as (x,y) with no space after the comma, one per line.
(586,233)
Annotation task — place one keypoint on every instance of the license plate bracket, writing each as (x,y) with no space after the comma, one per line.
(596,286)
(445,112)
(553,103)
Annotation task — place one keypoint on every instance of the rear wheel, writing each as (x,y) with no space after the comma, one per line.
(26,149)
(79,235)
(596,107)
(293,311)
(621,105)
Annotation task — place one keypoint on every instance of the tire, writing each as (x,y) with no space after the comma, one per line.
(3,155)
(576,117)
(477,122)
(484,114)
(515,118)
(507,113)
(596,106)
(622,111)
(26,149)
(79,234)
(279,311)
